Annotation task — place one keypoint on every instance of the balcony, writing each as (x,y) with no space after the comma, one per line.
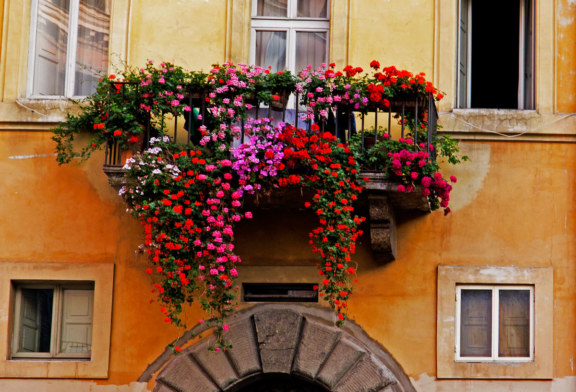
(382,199)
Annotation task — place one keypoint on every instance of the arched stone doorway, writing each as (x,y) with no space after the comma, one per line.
(277,383)
(283,348)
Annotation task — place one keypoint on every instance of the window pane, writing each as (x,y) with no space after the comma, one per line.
(271,49)
(310,49)
(272,8)
(514,339)
(476,323)
(92,46)
(35,320)
(77,312)
(312,8)
(50,47)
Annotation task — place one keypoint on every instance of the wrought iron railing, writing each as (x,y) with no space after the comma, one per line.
(404,115)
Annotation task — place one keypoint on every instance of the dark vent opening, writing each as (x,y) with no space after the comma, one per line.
(279,292)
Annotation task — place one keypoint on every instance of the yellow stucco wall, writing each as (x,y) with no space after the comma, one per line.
(566,70)
(512,206)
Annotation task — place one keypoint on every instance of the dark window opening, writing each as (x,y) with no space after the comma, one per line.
(496,55)
(495,30)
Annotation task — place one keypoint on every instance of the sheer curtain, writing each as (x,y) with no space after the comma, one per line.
(271,49)
(476,323)
(312,8)
(514,323)
(92,44)
(310,49)
(51,46)
(272,8)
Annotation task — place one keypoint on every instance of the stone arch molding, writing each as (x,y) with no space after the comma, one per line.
(292,340)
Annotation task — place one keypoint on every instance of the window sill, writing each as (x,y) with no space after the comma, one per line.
(508,112)
(495,361)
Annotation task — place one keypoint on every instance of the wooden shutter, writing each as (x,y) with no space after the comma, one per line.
(514,323)
(464,31)
(35,324)
(526,74)
(476,323)
(29,338)
(77,315)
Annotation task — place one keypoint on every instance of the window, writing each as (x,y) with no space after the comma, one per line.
(289,34)
(58,319)
(496,54)
(494,323)
(53,320)
(68,46)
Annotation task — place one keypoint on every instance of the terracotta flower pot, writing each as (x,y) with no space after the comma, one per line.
(280,103)
(127,153)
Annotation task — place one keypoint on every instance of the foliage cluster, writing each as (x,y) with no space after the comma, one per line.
(189,198)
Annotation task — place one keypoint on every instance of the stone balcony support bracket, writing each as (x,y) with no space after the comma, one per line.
(384,203)
(382,227)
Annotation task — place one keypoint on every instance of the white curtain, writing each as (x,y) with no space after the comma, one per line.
(272,8)
(312,8)
(271,49)
(92,45)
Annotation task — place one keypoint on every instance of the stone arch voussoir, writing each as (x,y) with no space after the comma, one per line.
(294,340)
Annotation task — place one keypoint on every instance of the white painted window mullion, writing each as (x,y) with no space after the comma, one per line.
(292,8)
(532,321)
(291,49)
(72,47)
(469,57)
(458,321)
(495,322)
(32,48)
(522,55)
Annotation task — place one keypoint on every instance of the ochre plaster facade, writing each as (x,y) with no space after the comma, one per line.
(512,206)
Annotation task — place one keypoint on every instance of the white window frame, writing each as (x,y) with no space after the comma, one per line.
(526,53)
(495,289)
(291,24)
(56,322)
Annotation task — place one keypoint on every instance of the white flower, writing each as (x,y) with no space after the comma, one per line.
(129,163)
(153,150)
